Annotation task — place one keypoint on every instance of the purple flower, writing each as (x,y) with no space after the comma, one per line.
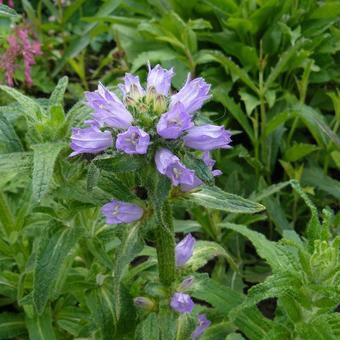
(174,122)
(182,303)
(108,109)
(192,95)
(117,212)
(203,324)
(207,137)
(133,141)
(131,86)
(160,79)
(184,250)
(89,140)
(169,165)
(209,162)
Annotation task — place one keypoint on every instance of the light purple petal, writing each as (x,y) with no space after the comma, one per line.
(133,141)
(203,324)
(184,250)
(182,303)
(160,79)
(131,86)
(117,212)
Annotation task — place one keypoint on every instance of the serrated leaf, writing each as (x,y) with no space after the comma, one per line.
(298,151)
(148,329)
(11,325)
(93,174)
(205,251)
(215,198)
(44,157)
(55,244)
(57,96)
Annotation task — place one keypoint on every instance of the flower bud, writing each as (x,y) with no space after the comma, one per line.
(184,250)
(186,283)
(144,303)
(159,104)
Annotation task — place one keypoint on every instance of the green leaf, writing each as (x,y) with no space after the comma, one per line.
(7,12)
(222,96)
(148,329)
(205,251)
(31,108)
(54,246)
(130,247)
(250,101)
(93,174)
(8,137)
(101,304)
(57,96)
(44,157)
(16,162)
(119,162)
(185,326)
(11,325)
(215,198)
(202,171)
(40,326)
(298,151)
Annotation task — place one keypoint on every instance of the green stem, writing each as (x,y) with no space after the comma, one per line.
(165,245)
(6,216)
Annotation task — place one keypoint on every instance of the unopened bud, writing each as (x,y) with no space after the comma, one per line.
(159,104)
(186,283)
(144,303)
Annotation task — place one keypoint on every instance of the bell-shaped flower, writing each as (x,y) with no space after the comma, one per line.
(184,250)
(169,165)
(131,86)
(182,303)
(133,141)
(172,123)
(108,109)
(207,137)
(117,212)
(159,79)
(203,324)
(192,95)
(89,140)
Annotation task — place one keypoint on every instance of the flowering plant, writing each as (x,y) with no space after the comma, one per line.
(157,134)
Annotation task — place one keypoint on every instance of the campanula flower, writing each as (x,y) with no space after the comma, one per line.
(117,212)
(209,162)
(203,324)
(207,137)
(133,141)
(184,250)
(89,140)
(159,79)
(169,165)
(182,303)
(192,95)
(131,86)
(108,110)
(172,123)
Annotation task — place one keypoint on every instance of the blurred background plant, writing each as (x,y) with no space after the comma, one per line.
(274,67)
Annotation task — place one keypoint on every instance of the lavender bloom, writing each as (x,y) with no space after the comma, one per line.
(160,79)
(108,109)
(117,212)
(192,95)
(209,162)
(131,86)
(169,165)
(133,141)
(182,303)
(207,137)
(184,250)
(174,122)
(89,140)
(203,324)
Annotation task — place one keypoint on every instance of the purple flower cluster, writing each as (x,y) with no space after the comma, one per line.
(151,120)
(182,302)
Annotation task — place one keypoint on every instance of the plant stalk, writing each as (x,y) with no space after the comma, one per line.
(6,216)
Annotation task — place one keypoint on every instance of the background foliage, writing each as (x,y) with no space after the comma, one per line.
(274,70)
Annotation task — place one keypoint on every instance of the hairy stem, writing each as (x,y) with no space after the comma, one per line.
(166,247)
